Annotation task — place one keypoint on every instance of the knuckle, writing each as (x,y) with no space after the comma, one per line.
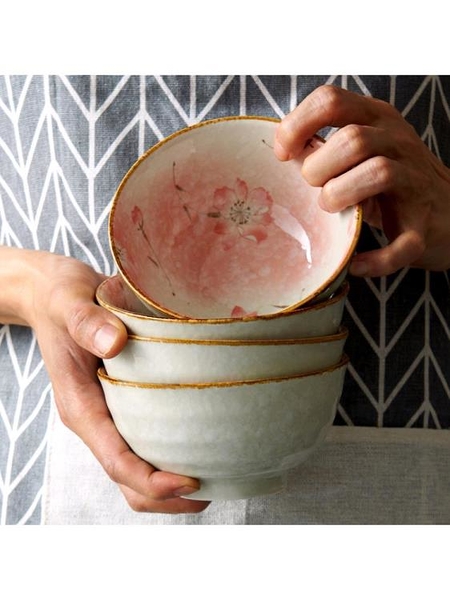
(112,470)
(328,99)
(382,172)
(418,246)
(385,262)
(82,323)
(392,263)
(410,251)
(79,320)
(420,182)
(354,140)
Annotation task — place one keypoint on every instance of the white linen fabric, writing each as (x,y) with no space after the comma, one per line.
(65,144)
(361,475)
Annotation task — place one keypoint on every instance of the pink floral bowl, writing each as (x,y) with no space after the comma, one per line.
(209,224)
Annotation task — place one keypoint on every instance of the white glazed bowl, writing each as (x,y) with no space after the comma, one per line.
(239,439)
(205,361)
(208,223)
(309,321)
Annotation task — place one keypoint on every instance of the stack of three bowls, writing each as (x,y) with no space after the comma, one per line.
(232,287)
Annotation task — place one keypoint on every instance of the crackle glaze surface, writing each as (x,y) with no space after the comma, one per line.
(238,439)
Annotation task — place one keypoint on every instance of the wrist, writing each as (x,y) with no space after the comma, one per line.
(21,275)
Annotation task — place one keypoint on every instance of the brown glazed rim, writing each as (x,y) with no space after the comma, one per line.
(339,295)
(101,373)
(341,334)
(138,291)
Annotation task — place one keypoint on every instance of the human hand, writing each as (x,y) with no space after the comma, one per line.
(377,159)
(73,332)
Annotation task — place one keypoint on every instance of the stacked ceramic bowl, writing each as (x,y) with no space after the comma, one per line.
(232,284)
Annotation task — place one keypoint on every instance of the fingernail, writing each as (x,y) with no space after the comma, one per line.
(359,268)
(185,490)
(105,338)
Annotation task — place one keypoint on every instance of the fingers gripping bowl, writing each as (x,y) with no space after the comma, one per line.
(209,224)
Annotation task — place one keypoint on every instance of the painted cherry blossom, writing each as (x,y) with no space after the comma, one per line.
(137,218)
(241,212)
(238,313)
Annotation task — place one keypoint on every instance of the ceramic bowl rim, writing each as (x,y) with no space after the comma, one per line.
(341,334)
(102,375)
(340,295)
(343,263)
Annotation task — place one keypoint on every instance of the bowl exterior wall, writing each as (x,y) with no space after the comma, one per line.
(248,430)
(163,361)
(314,321)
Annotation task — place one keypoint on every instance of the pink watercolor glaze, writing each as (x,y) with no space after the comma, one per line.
(209,224)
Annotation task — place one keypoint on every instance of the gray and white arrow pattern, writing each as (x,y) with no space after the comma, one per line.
(65,143)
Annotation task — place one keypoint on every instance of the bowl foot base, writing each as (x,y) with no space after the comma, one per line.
(238,488)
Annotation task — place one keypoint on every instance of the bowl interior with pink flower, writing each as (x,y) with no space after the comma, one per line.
(208,223)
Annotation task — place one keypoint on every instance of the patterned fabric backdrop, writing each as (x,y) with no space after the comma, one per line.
(65,143)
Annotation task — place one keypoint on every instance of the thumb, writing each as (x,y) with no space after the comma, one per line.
(95,329)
